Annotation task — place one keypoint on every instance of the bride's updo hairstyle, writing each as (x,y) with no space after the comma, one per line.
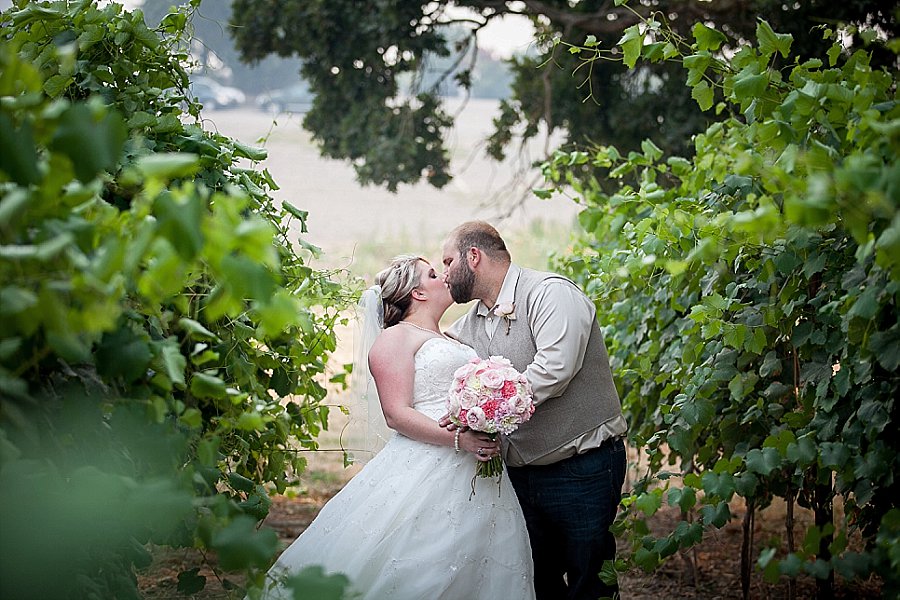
(397,284)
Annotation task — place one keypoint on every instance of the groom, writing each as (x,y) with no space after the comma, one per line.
(567,463)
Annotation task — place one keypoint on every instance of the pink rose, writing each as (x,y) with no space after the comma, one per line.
(464,371)
(475,419)
(520,405)
(467,398)
(500,361)
(453,405)
(492,379)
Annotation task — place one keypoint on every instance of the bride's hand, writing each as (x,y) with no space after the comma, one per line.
(479,444)
(449,425)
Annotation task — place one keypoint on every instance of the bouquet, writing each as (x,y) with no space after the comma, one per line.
(490,396)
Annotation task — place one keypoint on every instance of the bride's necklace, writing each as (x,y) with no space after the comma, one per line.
(422,328)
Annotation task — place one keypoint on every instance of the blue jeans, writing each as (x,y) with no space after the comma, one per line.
(569,507)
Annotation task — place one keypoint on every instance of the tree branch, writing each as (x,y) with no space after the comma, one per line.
(610,19)
(598,22)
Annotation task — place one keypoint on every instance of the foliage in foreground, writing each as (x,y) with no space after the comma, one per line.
(154,316)
(749,297)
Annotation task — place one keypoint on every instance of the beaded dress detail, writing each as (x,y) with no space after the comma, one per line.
(407,525)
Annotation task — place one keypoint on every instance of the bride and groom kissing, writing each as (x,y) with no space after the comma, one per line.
(407,525)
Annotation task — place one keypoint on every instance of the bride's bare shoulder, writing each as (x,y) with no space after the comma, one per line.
(391,344)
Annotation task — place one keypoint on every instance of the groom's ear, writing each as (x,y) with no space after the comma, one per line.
(474,256)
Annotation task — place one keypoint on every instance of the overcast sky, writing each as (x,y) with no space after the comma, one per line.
(507,35)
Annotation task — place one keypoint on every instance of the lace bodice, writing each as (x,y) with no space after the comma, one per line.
(435,362)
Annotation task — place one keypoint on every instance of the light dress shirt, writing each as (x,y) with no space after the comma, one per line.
(560,318)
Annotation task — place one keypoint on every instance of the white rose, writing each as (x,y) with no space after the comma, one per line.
(506,310)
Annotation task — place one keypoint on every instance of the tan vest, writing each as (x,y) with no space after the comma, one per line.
(590,398)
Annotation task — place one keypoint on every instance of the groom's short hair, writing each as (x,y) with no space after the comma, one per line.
(481,235)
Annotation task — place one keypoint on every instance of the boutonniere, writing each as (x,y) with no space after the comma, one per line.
(507,312)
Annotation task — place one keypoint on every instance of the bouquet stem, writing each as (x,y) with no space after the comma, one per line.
(490,468)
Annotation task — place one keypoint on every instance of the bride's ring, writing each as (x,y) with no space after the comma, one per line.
(481,452)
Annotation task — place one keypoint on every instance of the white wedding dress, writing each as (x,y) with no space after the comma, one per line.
(407,525)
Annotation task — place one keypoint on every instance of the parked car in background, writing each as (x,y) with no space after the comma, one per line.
(213,94)
(295,98)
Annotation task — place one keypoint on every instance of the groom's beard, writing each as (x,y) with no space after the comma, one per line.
(461,288)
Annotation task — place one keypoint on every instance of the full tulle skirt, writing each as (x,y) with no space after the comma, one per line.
(408,526)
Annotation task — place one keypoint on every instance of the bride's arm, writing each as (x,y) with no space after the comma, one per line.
(391,362)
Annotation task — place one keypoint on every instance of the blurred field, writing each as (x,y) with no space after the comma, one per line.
(360,226)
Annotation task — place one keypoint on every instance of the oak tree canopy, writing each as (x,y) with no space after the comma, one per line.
(357,54)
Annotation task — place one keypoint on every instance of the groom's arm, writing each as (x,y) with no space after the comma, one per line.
(560,316)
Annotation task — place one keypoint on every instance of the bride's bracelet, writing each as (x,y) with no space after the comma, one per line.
(456,441)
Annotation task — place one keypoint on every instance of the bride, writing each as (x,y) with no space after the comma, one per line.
(408,526)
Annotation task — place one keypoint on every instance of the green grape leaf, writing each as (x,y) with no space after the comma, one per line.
(240,545)
(79,129)
(707,37)
(313,582)
(703,94)
(631,41)
(771,42)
